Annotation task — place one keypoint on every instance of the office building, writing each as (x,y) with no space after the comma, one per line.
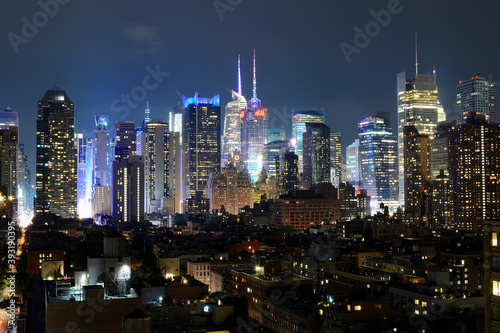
(254,131)
(336,158)
(276,134)
(378,151)
(417,170)
(101,160)
(299,119)
(229,189)
(476,95)
(271,150)
(353,164)
(101,201)
(125,143)
(316,154)
(202,144)
(128,189)
(9,145)
(232,120)
(439,148)
(418,106)
(287,171)
(474,171)
(441,209)
(304,209)
(56,184)
(83,198)
(162,157)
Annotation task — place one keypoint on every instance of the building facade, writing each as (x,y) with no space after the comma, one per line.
(476,95)
(379,160)
(299,119)
(316,154)
(202,142)
(474,171)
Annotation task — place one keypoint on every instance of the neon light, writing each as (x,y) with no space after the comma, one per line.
(260,112)
(296,117)
(242,114)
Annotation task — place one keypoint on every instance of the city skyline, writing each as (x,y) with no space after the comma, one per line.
(292,74)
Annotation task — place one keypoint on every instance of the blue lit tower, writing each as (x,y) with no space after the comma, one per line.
(379,160)
(202,145)
(254,131)
(232,120)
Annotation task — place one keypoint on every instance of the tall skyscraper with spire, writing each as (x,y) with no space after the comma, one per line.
(254,131)
(232,121)
(418,106)
(56,169)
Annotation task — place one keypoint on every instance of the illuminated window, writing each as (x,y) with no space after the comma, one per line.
(378,306)
(494,240)
(416,302)
(357,307)
(348,307)
(496,288)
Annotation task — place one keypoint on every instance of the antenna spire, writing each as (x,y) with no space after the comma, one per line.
(416,54)
(254,77)
(147,118)
(239,76)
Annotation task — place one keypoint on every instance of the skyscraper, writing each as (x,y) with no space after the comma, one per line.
(202,144)
(336,158)
(229,189)
(125,140)
(232,120)
(353,161)
(175,120)
(128,189)
(9,145)
(271,150)
(299,119)
(162,165)
(254,131)
(8,118)
(476,95)
(474,169)
(100,152)
(316,154)
(287,171)
(378,150)
(83,198)
(439,148)
(276,134)
(56,169)
(417,170)
(418,106)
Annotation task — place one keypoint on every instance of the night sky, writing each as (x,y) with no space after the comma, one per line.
(98,50)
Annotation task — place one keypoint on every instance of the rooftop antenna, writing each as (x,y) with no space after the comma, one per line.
(254,78)
(416,54)
(239,76)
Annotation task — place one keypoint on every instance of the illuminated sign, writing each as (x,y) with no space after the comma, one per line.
(236,157)
(242,114)
(296,117)
(260,112)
